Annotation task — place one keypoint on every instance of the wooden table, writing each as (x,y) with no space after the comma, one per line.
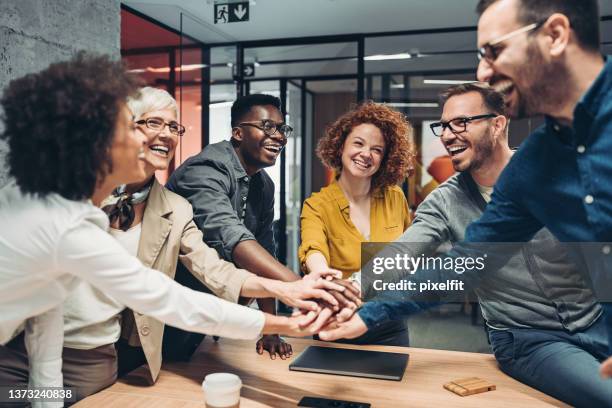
(269,383)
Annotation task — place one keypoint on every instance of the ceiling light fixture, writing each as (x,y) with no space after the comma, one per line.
(413,104)
(183,68)
(446,81)
(384,57)
(220,104)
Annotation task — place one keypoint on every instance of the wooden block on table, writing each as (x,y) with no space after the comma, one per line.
(469,386)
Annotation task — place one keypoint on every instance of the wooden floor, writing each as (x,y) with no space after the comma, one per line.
(269,383)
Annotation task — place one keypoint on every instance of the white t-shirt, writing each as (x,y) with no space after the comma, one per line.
(485,192)
(48,244)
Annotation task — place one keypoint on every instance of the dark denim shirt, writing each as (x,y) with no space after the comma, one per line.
(228,206)
(560,178)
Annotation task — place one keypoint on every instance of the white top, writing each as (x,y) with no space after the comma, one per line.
(485,192)
(91,318)
(47,244)
(128,239)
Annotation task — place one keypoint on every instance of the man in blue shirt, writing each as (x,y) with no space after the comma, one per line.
(544,56)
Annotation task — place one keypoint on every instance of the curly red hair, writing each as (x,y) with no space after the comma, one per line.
(398,160)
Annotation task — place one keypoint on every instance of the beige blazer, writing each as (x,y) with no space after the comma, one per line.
(169,235)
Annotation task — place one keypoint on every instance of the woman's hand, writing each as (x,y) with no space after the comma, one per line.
(325,273)
(301,293)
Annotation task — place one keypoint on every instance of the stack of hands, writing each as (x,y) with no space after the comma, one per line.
(324,304)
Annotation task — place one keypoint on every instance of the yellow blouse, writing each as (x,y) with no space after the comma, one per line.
(326,226)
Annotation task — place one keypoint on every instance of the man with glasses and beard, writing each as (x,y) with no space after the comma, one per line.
(543,55)
(233,204)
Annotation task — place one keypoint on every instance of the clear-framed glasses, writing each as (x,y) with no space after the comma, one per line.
(457,125)
(489,51)
(159,124)
(270,128)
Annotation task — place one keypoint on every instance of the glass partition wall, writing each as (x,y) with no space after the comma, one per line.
(317,79)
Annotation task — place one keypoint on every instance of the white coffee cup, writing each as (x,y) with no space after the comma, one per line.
(222,390)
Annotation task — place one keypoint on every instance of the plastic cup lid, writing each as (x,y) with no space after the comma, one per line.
(222,381)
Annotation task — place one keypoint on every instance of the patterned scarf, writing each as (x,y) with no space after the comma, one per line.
(122,203)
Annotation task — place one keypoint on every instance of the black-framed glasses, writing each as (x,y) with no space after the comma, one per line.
(270,128)
(490,51)
(159,124)
(457,125)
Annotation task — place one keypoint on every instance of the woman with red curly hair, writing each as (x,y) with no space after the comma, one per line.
(370,151)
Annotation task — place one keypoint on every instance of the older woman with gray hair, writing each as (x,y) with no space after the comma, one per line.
(101,338)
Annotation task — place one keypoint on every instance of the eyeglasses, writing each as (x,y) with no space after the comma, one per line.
(159,124)
(489,52)
(270,128)
(457,125)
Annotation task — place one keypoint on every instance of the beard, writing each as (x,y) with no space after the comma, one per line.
(542,91)
(483,150)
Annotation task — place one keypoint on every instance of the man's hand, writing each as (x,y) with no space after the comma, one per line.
(351,295)
(273,344)
(349,329)
(606,368)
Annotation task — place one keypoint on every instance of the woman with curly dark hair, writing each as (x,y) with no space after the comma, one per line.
(71,139)
(370,151)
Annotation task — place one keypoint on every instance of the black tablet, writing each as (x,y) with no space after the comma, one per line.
(356,363)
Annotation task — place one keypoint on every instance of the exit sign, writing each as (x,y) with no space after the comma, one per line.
(231,12)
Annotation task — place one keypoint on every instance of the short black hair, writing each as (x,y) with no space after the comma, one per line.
(243,105)
(493,100)
(60,124)
(583,16)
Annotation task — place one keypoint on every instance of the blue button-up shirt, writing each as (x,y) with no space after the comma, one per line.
(560,177)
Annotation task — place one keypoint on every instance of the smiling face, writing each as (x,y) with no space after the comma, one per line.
(127,151)
(161,144)
(363,151)
(256,149)
(469,150)
(530,82)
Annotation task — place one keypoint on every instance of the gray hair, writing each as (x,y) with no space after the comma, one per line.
(151,99)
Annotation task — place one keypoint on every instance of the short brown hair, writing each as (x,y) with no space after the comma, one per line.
(492,99)
(398,160)
(583,16)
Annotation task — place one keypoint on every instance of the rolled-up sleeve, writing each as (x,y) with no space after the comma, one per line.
(221,277)
(206,185)
(314,233)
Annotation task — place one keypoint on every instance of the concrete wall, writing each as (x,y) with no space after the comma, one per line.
(35,33)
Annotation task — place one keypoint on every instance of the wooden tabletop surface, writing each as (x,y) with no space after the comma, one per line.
(269,383)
